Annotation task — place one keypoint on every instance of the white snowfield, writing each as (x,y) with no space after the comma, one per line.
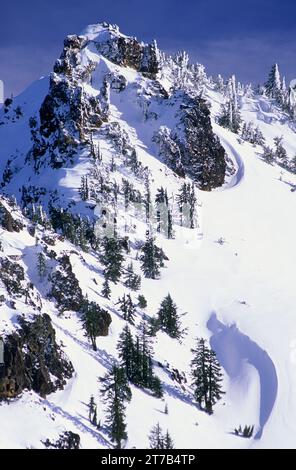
(239,294)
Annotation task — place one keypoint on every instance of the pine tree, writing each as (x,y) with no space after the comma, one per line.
(152,258)
(186,199)
(156,438)
(273,85)
(92,411)
(142,301)
(230,117)
(132,280)
(280,152)
(84,190)
(112,258)
(168,318)
(127,307)
(92,320)
(106,291)
(116,392)
(41,266)
(268,154)
(126,350)
(207,376)
(168,442)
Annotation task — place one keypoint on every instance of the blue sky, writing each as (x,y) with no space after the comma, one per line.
(227,36)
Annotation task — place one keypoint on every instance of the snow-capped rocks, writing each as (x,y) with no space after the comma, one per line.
(33,360)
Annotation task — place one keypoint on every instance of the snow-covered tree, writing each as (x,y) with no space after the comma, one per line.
(127,308)
(273,85)
(280,152)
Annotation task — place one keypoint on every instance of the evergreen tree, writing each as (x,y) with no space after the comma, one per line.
(164,218)
(84,190)
(152,258)
(207,377)
(230,117)
(292,166)
(142,301)
(132,280)
(41,265)
(280,152)
(168,318)
(127,307)
(186,199)
(268,154)
(92,411)
(116,392)
(168,442)
(112,258)
(273,85)
(156,438)
(106,291)
(126,349)
(92,320)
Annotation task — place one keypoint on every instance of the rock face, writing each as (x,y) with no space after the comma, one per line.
(33,360)
(202,155)
(7,221)
(65,287)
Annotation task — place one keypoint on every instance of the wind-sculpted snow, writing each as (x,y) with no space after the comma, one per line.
(233,348)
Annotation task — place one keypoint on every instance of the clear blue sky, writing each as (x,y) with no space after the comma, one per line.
(227,36)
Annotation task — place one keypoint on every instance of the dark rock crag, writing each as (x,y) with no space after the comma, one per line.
(33,360)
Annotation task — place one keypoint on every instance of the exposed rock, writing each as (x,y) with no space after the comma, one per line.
(12,275)
(202,154)
(7,221)
(33,360)
(65,287)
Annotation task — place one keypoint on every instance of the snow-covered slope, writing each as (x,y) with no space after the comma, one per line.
(232,273)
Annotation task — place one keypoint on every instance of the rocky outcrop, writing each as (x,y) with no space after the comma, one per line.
(7,221)
(202,154)
(33,360)
(128,52)
(65,287)
(191,148)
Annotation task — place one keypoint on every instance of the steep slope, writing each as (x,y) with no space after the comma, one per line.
(107,115)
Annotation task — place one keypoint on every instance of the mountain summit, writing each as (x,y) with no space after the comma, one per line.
(135,188)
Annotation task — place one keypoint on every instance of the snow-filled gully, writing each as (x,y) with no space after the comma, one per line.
(233,348)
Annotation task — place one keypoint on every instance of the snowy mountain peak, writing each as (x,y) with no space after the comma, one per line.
(135,188)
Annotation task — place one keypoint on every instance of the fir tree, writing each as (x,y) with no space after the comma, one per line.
(280,152)
(84,190)
(126,350)
(273,85)
(127,307)
(168,442)
(168,318)
(268,154)
(41,266)
(106,291)
(206,374)
(132,280)
(116,392)
(92,411)
(142,301)
(152,258)
(159,441)
(156,439)
(112,258)
(92,320)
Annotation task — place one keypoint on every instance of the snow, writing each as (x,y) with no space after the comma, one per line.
(240,294)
